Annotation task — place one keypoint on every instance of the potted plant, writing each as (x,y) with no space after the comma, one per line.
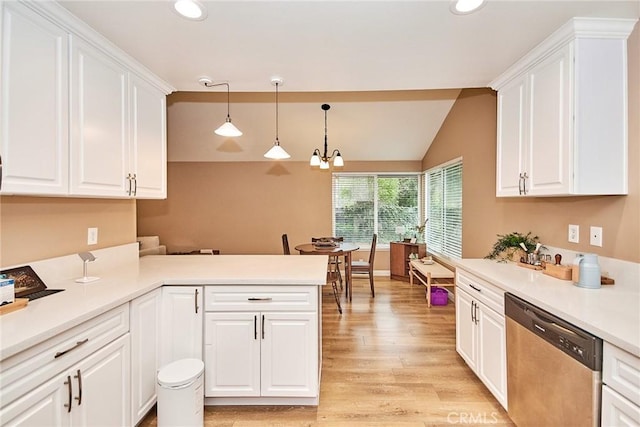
(508,247)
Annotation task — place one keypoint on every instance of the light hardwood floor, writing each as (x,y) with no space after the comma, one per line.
(388,361)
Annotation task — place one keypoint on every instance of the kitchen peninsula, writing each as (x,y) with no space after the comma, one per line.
(146,312)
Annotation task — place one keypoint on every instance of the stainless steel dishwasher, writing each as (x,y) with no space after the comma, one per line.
(554,369)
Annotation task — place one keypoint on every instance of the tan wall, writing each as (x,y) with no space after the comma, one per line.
(469,131)
(34,228)
(244,208)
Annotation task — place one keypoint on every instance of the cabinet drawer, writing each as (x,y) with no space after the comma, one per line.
(618,411)
(28,369)
(621,372)
(261,298)
(481,290)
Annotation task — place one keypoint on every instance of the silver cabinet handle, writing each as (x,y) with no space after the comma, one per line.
(78,344)
(524,184)
(263,326)
(475,288)
(195,301)
(476,314)
(259,299)
(79,377)
(473,319)
(520,185)
(68,384)
(255,327)
(135,184)
(128,178)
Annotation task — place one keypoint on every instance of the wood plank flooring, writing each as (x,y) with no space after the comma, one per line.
(388,361)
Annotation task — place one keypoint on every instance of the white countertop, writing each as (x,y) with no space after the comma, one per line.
(611,312)
(121,282)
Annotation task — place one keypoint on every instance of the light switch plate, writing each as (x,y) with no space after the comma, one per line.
(92,236)
(595,236)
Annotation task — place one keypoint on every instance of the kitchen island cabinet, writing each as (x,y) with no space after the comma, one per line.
(261,342)
(181,324)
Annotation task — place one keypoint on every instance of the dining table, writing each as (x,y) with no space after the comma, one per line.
(341,249)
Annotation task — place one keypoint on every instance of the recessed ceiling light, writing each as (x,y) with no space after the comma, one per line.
(463,7)
(190,9)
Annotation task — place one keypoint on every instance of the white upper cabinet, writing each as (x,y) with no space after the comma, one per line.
(79,116)
(99,123)
(148,152)
(35,90)
(562,114)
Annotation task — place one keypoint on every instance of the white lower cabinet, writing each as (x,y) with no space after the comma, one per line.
(261,354)
(481,333)
(145,318)
(621,387)
(261,342)
(95,391)
(181,323)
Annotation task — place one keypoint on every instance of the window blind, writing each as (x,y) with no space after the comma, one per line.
(444,210)
(364,204)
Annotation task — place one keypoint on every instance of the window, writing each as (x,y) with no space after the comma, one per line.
(444,209)
(364,204)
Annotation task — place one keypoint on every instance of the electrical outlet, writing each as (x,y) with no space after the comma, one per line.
(92,236)
(595,236)
(574,233)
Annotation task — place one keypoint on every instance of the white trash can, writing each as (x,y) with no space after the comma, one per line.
(181,394)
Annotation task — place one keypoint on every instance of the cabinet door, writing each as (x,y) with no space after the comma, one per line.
(549,164)
(510,138)
(289,355)
(232,354)
(181,328)
(35,103)
(492,352)
(102,394)
(99,124)
(466,330)
(148,140)
(145,343)
(43,406)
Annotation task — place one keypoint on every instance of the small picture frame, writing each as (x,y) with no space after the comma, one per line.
(413,240)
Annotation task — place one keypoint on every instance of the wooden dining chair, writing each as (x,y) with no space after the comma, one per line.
(333,260)
(366,267)
(285,245)
(332,277)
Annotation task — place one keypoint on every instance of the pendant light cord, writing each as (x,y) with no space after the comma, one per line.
(207,84)
(277,140)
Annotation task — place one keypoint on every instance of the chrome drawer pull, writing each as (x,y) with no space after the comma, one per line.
(79,377)
(260,299)
(475,288)
(78,344)
(68,383)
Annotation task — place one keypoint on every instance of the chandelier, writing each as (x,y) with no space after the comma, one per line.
(322,160)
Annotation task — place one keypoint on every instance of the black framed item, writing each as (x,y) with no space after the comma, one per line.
(27,283)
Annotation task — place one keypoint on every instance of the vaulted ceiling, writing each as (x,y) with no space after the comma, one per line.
(324,48)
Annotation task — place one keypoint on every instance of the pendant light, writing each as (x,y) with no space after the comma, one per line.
(323,160)
(276,152)
(227,128)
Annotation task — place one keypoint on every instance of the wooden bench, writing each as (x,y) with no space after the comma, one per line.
(429,274)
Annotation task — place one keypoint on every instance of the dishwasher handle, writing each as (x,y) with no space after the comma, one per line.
(542,322)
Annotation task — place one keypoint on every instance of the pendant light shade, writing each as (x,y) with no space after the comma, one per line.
(227,129)
(276,152)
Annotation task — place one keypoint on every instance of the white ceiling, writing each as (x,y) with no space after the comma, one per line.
(334,46)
